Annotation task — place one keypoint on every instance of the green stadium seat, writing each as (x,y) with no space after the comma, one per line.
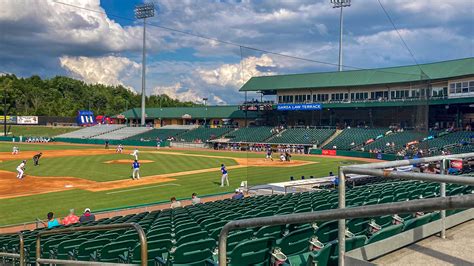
(251,252)
(320,257)
(296,241)
(194,253)
(385,233)
(415,222)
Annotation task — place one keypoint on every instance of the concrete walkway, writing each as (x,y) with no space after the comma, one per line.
(456,249)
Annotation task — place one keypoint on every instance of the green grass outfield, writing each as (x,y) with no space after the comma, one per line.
(37,131)
(25,209)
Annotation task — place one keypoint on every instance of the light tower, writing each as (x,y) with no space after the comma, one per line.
(340,4)
(144,11)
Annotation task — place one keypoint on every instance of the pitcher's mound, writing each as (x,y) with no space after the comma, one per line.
(128,161)
(274,163)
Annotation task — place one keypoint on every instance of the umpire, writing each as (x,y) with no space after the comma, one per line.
(36,158)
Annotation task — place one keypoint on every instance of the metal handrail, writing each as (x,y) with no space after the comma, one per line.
(425,205)
(135,226)
(259,187)
(21,255)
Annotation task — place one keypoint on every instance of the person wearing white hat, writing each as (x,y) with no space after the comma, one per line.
(87,216)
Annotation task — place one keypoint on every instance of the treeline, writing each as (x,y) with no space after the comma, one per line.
(64,96)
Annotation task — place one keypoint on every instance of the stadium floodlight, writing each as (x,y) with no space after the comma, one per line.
(340,4)
(144,11)
(205,105)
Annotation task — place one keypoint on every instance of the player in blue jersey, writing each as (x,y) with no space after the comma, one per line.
(136,170)
(224,176)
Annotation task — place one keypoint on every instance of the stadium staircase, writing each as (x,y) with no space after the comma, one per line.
(188,235)
(356,136)
(332,137)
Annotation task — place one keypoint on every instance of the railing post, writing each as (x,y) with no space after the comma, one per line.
(22,249)
(443,195)
(342,222)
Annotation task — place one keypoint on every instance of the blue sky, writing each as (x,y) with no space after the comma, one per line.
(48,38)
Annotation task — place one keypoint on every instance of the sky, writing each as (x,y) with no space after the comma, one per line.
(99,41)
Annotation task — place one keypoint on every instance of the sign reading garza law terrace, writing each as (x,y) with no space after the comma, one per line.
(299,106)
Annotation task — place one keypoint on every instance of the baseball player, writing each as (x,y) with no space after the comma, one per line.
(36,158)
(119,149)
(224,176)
(269,154)
(136,170)
(20,169)
(15,150)
(135,154)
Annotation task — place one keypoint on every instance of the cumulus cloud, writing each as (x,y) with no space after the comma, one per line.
(108,70)
(235,75)
(177,91)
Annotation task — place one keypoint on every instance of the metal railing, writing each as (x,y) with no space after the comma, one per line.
(342,213)
(21,255)
(136,227)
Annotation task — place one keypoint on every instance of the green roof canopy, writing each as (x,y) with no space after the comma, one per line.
(353,78)
(199,112)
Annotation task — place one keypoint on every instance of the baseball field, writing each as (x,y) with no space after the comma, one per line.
(80,176)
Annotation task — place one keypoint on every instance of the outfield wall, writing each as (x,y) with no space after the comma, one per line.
(358,154)
(99,141)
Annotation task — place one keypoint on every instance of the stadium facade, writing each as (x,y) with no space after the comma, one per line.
(423,96)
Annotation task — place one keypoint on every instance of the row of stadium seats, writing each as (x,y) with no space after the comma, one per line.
(250,134)
(188,236)
(400,139)
(203,134)
(122,133)
(356,136)
(302,136)
(89,132)
(154,134)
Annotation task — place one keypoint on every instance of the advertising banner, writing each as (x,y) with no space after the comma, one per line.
(299,107)
(329,152)
(27,120)
(10,119)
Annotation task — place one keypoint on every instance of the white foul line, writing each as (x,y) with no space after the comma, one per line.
(140,188)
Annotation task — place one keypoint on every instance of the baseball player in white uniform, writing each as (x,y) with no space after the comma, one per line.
(119,148)
(15,150)
(135,154)
(20,169)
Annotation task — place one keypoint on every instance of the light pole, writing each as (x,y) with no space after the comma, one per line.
(340,4)
(144,11)
(205,105)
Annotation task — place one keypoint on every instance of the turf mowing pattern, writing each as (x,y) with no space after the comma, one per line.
(26,209)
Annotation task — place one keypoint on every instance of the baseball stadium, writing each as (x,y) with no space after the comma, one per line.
(367,166)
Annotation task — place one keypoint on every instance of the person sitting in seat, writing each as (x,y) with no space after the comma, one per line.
(175,203)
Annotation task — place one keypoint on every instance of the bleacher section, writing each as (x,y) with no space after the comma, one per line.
(357,136)
(90,132)
(400,139)
(203,134)
(123,133)
(250,134)
(154,134)
(448,139)
(188,236)
(302,136)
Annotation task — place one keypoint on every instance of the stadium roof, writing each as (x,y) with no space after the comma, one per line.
(353,78)
(198,112)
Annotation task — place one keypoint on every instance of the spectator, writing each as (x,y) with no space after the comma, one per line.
(175,203)
(52,222)
(71,218)
(195,199)
(87,216)
(238,194)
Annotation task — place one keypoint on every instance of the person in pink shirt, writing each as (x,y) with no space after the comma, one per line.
(71,218)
